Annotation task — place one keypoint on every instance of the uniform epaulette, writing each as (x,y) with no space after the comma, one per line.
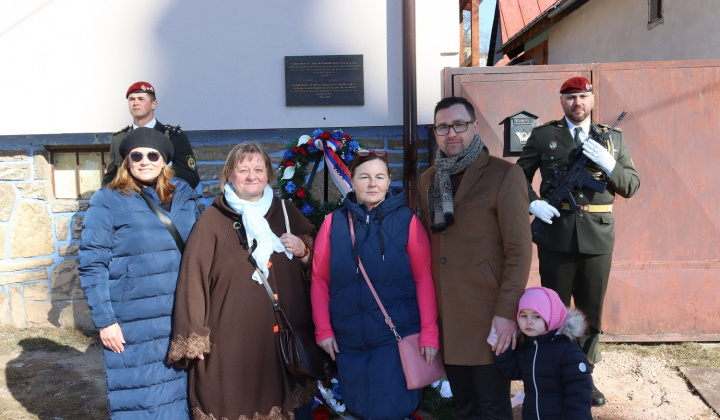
(173,130)
(123,130)
(607,127)
(547,123)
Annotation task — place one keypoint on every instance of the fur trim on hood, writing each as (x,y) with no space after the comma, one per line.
(575,325)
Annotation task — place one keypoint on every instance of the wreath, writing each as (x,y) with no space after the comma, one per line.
(301,160)
(436,400)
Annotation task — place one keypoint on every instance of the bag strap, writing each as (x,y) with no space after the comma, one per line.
(388,321)
(279,314)
(166,221)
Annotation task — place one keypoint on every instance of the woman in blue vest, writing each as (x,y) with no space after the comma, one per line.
(129,263)
(395,251)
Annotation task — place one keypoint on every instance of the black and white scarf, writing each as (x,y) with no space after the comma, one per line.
(440,195)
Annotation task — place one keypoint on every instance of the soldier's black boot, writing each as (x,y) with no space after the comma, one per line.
(598,399)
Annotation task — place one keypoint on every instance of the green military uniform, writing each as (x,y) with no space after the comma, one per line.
(183,162)
(577,255)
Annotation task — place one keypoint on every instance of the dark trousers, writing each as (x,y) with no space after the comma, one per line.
(585,278)
(479,392)
(304,412)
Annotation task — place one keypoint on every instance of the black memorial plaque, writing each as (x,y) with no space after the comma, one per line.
(312,80)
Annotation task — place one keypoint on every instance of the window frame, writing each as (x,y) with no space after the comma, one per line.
(655,7)
(104,153)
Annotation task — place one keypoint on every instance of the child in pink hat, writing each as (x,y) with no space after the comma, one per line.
(554,370)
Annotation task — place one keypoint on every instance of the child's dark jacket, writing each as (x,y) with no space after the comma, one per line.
(555,372)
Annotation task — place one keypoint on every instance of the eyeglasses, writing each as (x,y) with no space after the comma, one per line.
(376,152)
(138,156)
(459,127)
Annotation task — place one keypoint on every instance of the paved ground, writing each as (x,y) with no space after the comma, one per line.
(41,379)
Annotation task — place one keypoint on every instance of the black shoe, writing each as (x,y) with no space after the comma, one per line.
(598,399)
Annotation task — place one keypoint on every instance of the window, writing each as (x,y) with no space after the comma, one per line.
(654,10)
(77,172)
(477,21)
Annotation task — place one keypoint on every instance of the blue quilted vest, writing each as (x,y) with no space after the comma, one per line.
(381,237)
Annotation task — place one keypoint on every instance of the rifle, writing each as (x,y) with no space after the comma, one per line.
(568,180)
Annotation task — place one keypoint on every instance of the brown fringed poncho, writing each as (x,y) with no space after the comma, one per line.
(221,312)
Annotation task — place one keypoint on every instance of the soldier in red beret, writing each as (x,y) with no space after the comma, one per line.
(142,103)
(576,257)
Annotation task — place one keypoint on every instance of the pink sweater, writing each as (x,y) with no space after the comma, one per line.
(418,250)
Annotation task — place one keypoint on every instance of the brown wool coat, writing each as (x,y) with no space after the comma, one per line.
(481,264)
(217,304)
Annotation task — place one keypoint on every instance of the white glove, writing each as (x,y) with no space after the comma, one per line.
(493,337)
(543,211)
(598,154)
(518,398)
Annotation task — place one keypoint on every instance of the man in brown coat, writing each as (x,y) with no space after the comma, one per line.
(475,208)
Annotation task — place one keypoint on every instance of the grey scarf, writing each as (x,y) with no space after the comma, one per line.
(440,197)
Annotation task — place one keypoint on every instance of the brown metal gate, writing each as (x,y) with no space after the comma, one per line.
(665,279)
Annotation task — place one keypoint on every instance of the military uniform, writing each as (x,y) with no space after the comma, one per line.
(577,255)
(183,162)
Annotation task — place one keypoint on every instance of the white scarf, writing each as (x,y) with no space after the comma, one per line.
(256,227)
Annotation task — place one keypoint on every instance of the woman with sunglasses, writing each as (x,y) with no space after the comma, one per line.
(395,251)
(129,263)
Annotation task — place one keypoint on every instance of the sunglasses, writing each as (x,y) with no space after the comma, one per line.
(138,156)
(376,152)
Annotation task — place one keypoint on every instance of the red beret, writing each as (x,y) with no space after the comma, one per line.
(140,87)
(576,85)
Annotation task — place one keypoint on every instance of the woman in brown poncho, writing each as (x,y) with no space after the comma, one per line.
(223,320)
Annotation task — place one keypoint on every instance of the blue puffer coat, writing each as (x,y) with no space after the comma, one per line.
(128,265)
(369,369)
(554,371)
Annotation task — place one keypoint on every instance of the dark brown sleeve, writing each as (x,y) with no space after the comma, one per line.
(191,335)
(514,223)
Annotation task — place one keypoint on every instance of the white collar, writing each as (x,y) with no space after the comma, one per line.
(585,126)
(151,124)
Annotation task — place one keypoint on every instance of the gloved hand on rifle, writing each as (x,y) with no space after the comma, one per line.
(598,154)
(544,211)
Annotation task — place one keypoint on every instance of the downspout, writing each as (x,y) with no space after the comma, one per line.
(410,135)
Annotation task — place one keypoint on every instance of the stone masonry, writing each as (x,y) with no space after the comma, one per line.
(40,235)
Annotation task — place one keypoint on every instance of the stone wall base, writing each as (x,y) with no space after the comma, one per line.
(40,235)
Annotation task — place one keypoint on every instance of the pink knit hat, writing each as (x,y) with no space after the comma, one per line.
(545,302)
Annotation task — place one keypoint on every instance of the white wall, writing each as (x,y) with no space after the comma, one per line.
(66,64)
(609,31)
(438,46)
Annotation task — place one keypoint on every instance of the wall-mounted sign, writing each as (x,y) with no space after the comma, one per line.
(312,80)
